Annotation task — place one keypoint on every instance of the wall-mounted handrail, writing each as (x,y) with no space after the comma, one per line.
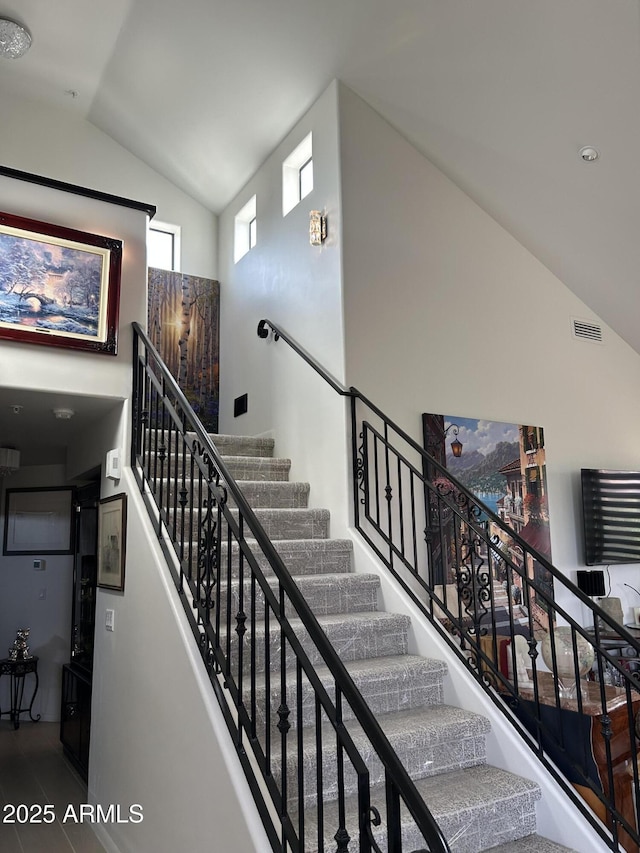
(215,545)
(454,541)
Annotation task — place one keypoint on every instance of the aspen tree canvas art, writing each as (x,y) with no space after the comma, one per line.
(184,326)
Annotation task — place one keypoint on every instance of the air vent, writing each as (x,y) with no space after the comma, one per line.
(586,330)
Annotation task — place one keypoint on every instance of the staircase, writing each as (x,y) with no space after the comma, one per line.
(478,807)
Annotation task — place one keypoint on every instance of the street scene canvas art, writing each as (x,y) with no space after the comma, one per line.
(504,466)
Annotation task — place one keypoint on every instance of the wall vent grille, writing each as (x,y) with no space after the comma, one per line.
(585,330)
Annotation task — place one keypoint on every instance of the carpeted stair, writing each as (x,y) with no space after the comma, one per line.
(478,807)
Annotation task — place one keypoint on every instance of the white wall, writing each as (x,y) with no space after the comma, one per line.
(56,144)
(446,312)
(21,604)
(158,738)
(298,286)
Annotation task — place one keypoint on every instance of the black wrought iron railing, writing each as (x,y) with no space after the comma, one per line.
(572,688)
(261,644)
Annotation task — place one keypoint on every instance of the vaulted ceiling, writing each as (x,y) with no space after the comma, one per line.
(500,94)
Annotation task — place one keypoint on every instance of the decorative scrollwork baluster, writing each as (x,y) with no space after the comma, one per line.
(360,468)
(342,839)
(241,618)
(207,555)
(283,722)
(374,819)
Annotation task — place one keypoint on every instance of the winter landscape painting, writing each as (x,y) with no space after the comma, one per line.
(58,286)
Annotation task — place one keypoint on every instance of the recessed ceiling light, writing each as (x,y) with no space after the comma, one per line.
(15,41)
(589,153)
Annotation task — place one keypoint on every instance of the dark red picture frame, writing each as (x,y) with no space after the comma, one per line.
(58,286)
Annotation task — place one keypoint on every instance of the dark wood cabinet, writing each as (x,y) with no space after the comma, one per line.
(75,712)
(75,717)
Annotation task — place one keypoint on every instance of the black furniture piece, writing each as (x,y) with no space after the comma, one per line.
(77,675)
(75,721)
(17,670)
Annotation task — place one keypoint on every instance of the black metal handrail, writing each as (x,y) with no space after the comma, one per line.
(463,566)
(261,665)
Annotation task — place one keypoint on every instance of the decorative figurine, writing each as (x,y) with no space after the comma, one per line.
(20,649)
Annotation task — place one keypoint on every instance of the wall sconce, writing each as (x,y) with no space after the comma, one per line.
(456,445)
(435,441)
(317,228)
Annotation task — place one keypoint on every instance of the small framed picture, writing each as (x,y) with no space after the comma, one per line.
(112,540)
(38,521)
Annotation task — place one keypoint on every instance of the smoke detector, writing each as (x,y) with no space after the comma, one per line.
(63,414)
(589,154)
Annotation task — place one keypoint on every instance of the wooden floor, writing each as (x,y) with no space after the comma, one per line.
(34,772)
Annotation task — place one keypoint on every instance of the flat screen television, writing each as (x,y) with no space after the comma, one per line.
(611,516)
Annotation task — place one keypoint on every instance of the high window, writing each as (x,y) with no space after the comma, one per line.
(297,175)
(245,230)
(163,246)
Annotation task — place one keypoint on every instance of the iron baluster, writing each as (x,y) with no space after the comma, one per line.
(319,776)
(267,680)
(394,828)
(283,710)
(388,493)
(342,837)
(241,618)
(300,757)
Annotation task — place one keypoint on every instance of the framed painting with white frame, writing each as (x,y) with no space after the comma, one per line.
(58,286)
(112,541)
(38,521)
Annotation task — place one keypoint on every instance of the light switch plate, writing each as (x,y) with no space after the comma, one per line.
(109,619)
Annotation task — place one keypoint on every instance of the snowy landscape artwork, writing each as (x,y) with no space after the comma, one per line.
(56,289)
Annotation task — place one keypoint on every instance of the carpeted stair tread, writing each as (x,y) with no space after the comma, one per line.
(429,741)
(354,636)
(388,684)
(474,807)
(274,494)
(226,445)
(242,445)
(259,494)
(277,523)
(293,523)
(302,556)
(277,494)
(327,593)
(530,844)
(258,467)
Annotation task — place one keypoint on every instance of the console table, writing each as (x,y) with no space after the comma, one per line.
(17,670)
(584,742)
